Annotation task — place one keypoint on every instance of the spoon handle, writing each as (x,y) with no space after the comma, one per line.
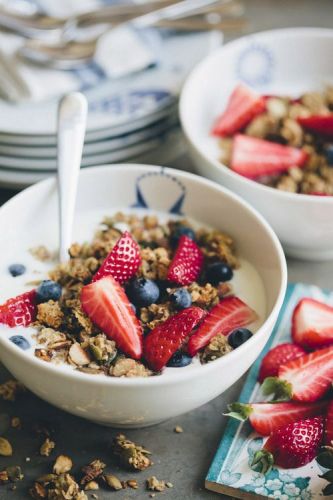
(72,117)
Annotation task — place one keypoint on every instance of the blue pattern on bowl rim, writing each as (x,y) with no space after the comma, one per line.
(255,65)
(179,197)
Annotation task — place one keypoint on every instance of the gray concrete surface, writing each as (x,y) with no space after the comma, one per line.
(184,458)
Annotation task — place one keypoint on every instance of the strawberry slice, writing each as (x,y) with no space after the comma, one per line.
(265,418)
(122,262)
(276,357)
(252,157)
(312,324)
(322,124)
(230,313)
(19,311)
(329,425)
(243,105)
(164,340)
(307,378)
(106,304)
(186,263)
(291,446)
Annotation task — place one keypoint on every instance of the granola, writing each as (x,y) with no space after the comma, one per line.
(131,455)
(280,123)
(67,332)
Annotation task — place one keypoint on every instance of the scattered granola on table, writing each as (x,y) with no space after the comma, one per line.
(135,299)
(279,141)
(155,485)
(10,389)
(131,455)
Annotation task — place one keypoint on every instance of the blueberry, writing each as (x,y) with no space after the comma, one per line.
(17,269)
(181,298)
(329,154)
(179,360)
(179,231)
(20,342)
(143,292)
(219,271)
(48,290)
(239,336)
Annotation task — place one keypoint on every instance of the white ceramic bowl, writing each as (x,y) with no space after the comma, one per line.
(286,61)
(30,218)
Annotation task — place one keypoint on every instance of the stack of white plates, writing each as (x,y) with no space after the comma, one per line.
(131,119)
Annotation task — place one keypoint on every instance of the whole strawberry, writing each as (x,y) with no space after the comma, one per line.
(291,446)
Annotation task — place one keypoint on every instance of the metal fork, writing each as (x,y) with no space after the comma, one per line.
(72,53)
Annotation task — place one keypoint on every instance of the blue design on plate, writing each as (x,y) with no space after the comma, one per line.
(254,65)
(131,102)
(163,183)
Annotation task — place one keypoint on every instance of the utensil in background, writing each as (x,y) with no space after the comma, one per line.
(12,85)
(72,119)
(72,53)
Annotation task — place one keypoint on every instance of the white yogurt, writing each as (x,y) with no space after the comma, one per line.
(246,283)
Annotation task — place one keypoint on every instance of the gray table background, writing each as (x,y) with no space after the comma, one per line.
(184,458)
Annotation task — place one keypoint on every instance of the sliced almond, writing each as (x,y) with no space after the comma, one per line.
(78,355)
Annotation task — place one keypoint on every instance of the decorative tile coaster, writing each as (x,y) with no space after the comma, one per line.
(230,472)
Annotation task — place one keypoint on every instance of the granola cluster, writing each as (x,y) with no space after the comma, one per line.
(279,124)
(63,480)
(66,334)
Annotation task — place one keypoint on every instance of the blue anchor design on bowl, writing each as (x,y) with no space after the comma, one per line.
(171,192)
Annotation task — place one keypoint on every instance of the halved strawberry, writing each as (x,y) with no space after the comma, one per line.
(230,313)
(312,324)
(19,311)
(122,262)
(165,339)
(252,157)
(322,124)
(276,357)
(307,378)
(106,304)
(243,105)
(329,425)
(265,418)
(186,263)
(291,446)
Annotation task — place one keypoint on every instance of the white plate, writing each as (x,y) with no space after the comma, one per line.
(104,146)
(97,135)
(118,102)
(166,154)
(121,154)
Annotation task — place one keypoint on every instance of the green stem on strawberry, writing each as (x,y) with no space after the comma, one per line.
(239,411)
(279,389)
(263,461)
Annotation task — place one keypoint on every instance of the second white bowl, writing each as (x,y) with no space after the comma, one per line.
(286,61)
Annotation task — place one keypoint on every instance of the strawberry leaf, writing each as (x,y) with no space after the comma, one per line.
(280,390)
(263,461)
(239,411)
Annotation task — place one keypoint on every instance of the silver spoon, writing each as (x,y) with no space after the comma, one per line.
(70,54)
(72,118)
